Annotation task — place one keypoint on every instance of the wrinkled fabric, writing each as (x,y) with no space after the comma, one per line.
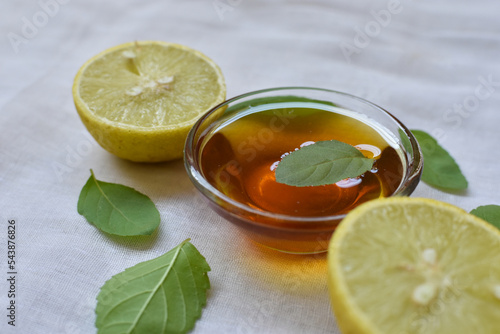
(434,65)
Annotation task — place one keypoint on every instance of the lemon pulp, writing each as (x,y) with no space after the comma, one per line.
(140,99)
(404,265)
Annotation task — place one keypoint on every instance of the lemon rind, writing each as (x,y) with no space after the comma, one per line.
(350,318)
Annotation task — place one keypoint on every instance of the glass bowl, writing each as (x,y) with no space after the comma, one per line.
(285,232)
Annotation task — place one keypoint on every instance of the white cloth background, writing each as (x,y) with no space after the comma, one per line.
(422,61)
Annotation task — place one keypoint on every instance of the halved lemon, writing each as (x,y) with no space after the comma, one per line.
(139,99)
(407,266)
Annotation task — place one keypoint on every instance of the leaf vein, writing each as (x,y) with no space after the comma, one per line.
(121,302)
(155,289)
(103,194)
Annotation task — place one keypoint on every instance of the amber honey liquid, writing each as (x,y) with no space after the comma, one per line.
(240,156)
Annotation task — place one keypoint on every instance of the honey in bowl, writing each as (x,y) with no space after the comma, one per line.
(233,152)
(241,155)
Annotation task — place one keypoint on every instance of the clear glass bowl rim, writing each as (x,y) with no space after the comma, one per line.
(193,170)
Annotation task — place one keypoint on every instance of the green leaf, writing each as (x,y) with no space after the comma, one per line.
(117,209)
(405,141)
(324,162)
(490,213)
(440,169)
(163,295)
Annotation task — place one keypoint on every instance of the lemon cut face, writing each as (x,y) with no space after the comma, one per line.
(415,266)
(140,99)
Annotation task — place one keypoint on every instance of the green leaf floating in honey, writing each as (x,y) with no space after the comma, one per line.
(117,209)
(322,163)
(440,169)
(163,295)
(489,213)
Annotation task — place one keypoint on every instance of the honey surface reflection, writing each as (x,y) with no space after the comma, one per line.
(239,159)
